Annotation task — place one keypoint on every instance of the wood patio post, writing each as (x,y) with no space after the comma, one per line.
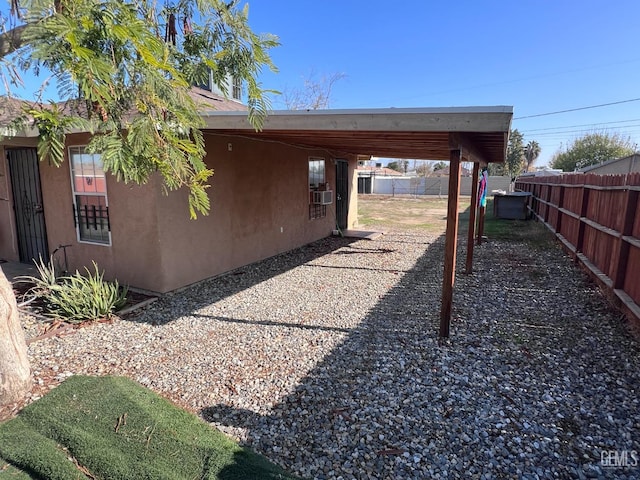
(473,208)
(451,240)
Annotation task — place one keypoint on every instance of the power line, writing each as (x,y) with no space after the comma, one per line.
(567,132)
(580,125)
(580,108)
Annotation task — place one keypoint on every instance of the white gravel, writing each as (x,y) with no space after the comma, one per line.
(326,360)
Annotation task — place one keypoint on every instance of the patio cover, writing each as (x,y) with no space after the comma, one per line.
(456,134)
(421,133)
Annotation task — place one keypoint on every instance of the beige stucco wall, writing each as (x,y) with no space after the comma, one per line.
(259,208)
(352,217)
(133,254)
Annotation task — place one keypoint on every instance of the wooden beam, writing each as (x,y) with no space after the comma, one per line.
(473,208)
(451,242)
(468,149)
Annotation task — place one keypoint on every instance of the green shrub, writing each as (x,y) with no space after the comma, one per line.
(77,298)
(42,284)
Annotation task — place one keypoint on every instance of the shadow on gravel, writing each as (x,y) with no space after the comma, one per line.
(372,382)
(172,306)
(538,380)
(271,323)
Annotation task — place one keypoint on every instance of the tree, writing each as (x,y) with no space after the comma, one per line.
(395,165)
(15,376)
(424,170)
(123,69)
(515,159)
(314,95)
(439,166)
(592,149)
(531,154)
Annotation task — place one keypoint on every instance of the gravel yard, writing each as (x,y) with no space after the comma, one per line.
(326,360)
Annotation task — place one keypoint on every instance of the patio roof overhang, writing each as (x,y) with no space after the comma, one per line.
(475,134)
(480,133)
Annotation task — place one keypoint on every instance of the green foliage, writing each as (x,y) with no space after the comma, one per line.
(129,88)
(395,166)
(592,149)
(531,153)
(514,162)
(76,298)
(44,283)
(116,429)
(439,166)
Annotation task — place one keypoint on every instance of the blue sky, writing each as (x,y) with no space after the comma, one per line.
(537,56)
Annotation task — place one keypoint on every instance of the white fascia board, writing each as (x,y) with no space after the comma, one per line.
(453,119)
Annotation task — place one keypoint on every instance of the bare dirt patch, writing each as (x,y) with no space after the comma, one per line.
(424,213)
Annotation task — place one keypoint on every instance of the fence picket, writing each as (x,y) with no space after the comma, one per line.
(598,216)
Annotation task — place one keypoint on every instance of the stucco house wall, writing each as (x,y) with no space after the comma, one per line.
(259,208)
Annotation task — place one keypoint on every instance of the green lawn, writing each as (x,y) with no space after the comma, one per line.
(112,428)
(430,214)
(529,231)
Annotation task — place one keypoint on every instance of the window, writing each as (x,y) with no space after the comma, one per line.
(236,89)
(90,205)
(316,182)
(316,172)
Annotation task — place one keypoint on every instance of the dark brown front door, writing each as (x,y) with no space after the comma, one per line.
(27,204)
(342,193)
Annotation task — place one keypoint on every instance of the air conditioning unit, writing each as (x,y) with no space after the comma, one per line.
(323,198)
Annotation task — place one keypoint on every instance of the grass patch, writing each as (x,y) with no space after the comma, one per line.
(430,214)
(112,428)
(531,232)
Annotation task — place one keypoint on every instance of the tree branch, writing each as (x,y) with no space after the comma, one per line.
(11,40)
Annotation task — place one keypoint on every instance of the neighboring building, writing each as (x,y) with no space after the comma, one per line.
(615,167)
(444,172)
(367,176)
(543,172)
(290,184)
(365,171)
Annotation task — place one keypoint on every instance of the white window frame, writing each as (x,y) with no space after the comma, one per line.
(80,149)
(315,185)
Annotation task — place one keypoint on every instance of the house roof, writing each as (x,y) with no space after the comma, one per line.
(480,133)
(632,159)
(208,100)
(380,171)
(10,108)
(444,172)
(421,133)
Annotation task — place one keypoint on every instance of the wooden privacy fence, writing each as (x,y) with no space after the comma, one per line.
(597,219)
